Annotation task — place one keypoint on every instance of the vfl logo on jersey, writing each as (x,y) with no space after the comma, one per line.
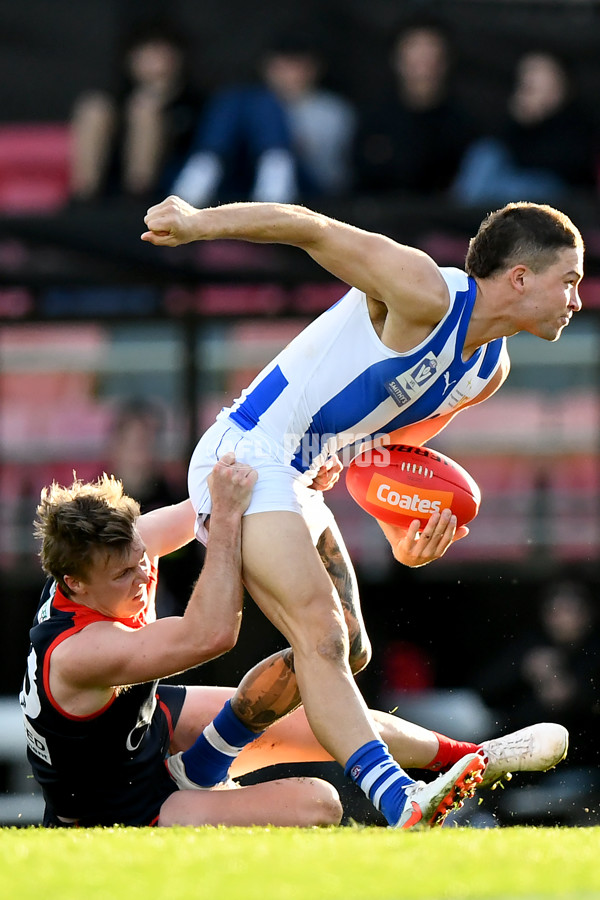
(389,494)
(409,385)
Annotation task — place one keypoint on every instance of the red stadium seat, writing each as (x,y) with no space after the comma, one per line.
(34,167)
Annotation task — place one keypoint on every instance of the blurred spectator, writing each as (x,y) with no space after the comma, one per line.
(280,139)
(134,456)
(133,142)
(134,453)
(544,148)
(550,673)
(412,137)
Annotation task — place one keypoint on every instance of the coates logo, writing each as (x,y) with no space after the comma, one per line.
(386,493)
(355,772)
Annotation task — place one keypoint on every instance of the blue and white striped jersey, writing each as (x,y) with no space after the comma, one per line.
(337,383)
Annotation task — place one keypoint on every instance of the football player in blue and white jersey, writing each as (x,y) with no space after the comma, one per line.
(407,347)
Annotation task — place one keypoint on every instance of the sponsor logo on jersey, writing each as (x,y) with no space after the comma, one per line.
(407,386)
(36,743)
(447,383)
(397,392)
(390,494)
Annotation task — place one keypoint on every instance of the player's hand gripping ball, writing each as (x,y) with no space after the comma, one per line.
(398,483)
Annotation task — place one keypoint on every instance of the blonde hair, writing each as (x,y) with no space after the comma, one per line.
(76,523)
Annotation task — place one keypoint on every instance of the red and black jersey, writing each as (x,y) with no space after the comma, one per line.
(101,769)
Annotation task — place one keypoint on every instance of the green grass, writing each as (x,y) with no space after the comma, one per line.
(293,864)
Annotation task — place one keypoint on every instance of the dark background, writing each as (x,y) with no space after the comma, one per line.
(50,51)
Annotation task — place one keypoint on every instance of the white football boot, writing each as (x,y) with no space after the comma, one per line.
(532,749)
(427,805)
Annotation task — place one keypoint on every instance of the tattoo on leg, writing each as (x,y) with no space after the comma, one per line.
(339,569)
(268,692)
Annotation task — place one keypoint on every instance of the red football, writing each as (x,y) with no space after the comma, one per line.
(398,483)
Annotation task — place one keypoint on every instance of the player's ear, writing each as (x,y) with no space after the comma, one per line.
(74,584)
(518,277)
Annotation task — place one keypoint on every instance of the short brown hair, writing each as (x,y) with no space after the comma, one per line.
(75,523)
(529,233)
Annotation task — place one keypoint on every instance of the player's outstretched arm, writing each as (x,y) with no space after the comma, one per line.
(168,528)
(385,270)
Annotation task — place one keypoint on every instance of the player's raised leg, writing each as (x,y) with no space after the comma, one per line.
(269,691)
(287,579)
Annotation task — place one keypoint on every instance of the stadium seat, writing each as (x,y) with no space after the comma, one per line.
(34,167)
(227,300)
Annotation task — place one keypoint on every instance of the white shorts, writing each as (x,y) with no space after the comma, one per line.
(279,487)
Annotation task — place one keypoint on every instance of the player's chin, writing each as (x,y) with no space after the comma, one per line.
(552,335)
(556,332)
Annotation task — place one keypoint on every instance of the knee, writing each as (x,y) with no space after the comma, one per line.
(332,646)
(321,805)
(331,642)
(322,632)
(170,815)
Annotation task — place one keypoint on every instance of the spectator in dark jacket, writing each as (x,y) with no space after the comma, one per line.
(412,137)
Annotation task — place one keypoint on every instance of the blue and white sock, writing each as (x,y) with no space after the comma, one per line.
(381,778)
(208,760)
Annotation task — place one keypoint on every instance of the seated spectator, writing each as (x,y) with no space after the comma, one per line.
(133,141)
(544,148)
(413,136)
(135,455)
(549,673)
(282,138)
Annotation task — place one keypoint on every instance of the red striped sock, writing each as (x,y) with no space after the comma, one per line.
(449,752)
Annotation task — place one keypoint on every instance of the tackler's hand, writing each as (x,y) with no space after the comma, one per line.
(231,484)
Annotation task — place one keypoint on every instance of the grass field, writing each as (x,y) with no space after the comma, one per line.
(293,864)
